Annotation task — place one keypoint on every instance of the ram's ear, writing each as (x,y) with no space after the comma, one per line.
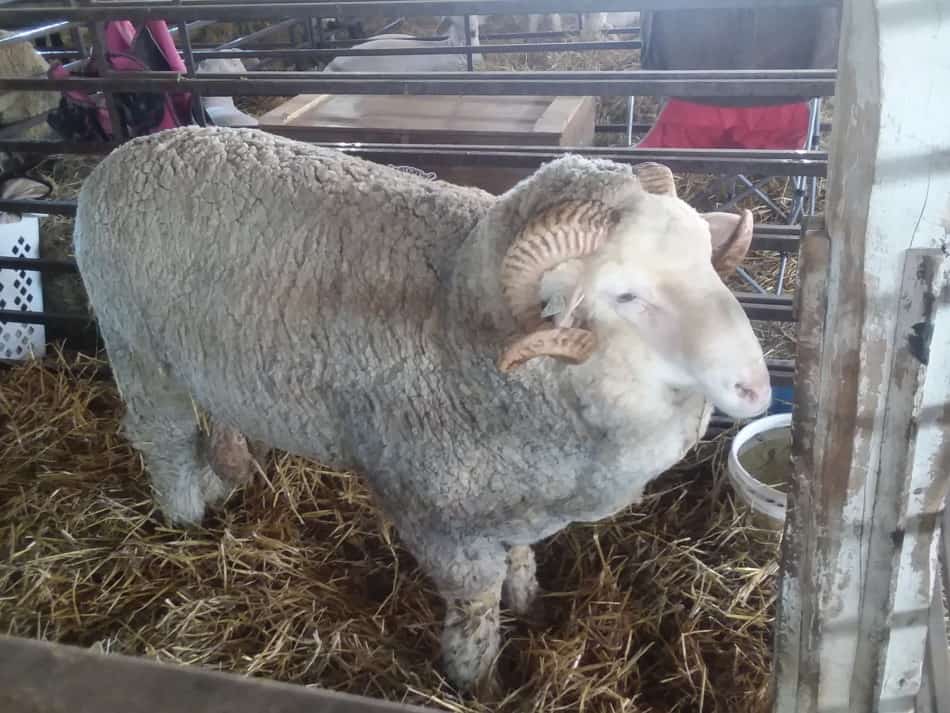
(731,238)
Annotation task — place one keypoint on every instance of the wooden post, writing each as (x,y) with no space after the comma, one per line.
(872,418)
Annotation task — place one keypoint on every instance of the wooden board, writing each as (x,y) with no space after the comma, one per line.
(452,120)
(39,677)
(491,120)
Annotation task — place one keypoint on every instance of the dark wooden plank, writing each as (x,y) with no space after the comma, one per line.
(39,677)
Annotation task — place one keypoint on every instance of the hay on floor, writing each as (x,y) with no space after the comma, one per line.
(666,607)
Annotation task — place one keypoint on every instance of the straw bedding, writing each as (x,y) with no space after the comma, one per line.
(665,608)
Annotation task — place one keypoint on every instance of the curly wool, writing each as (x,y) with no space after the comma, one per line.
(352,313)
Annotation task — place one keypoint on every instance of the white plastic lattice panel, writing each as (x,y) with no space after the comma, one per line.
(21,290)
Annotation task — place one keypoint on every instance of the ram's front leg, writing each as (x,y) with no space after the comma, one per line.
(469,577)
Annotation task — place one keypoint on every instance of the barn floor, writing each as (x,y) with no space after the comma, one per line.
(666,607)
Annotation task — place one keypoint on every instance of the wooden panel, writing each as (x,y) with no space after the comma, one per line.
(860,545)
(39,677)
(934,696)
(571,120)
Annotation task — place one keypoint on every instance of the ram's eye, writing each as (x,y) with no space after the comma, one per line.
(626,297)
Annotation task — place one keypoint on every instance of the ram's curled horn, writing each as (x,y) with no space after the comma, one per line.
(655,178)
(565,343)
(567,231)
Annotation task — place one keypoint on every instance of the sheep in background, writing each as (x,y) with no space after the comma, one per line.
(20,59)
(402,333)
(535,22)
(222,110)
(453,27)
(594,23)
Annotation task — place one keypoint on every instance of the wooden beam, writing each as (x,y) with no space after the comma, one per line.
(872,432)
(39,677)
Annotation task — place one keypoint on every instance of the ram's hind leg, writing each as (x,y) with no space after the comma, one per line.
(160,422)
(521,584)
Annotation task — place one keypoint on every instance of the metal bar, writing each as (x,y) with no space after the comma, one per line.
(755,312)
(186,49)
(34,32)
(67,208)
(309,33)
(533,35)
(473,83)
(467,49)
(188,54)
(614,128)
(51,148)
(48,319)
(468,44)
(739,77)
(779,283)
(76,35)
(61,54)
(193,26)
(38,207)
(99,50)
(428,155)
(503,36)
(750,281)
(42,265)
(263,32)
(321,37)
(195,9)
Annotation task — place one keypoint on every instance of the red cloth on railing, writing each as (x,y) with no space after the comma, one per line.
(686,125)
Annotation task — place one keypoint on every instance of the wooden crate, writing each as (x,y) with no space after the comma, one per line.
(454,120)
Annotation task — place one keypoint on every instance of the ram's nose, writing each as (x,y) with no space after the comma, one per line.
(754,389)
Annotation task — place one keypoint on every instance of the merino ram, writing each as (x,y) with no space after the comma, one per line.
(372,319)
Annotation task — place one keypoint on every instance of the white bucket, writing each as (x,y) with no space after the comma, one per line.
(763,499)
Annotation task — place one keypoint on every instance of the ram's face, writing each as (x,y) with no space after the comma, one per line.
(659,273)
(651,264)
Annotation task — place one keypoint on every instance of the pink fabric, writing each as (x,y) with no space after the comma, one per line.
(120,36)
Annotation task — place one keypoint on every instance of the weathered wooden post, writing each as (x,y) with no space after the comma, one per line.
(872,424)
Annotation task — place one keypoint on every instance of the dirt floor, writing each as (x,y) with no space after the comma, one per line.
(665,608)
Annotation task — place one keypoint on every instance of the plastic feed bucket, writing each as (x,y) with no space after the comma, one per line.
(762,447)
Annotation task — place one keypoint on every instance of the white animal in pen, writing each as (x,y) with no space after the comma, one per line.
(452,27)
(20,59)
(593,23)
(402,332)
(222,110)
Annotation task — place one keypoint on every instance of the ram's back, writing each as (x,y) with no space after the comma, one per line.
(257,267)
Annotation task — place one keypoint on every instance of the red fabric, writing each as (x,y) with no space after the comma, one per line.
(685,125)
